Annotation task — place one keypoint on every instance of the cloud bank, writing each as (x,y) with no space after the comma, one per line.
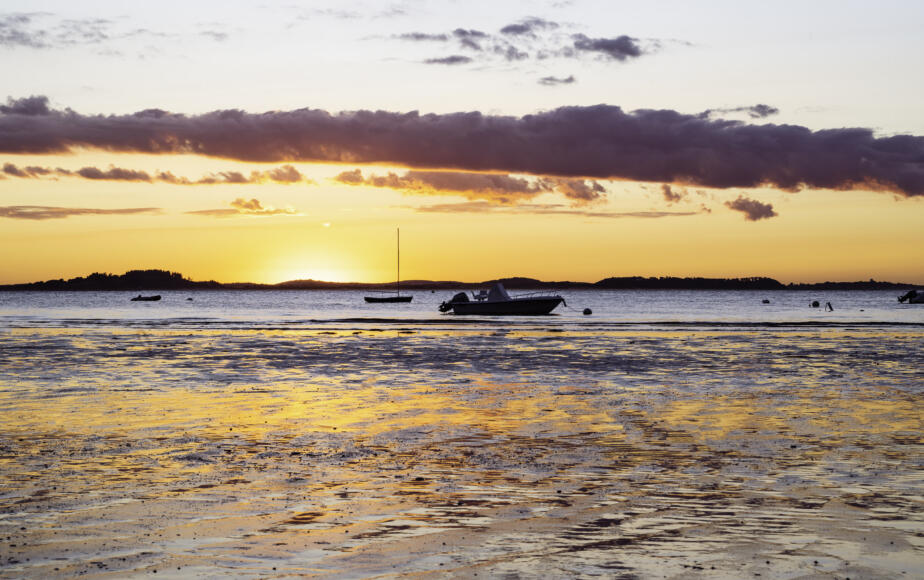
(596,142)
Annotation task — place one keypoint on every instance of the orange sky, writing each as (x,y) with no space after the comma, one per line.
(324,229)
(561,140)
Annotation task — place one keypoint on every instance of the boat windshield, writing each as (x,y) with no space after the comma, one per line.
(498,293)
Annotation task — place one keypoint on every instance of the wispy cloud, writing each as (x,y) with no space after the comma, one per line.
(496,188)
(44,212)
(759,111)
(752,209)
(485,207)
(244,207)
(450,60)
(555,81)
(49,31)
(285,174)
(597,142)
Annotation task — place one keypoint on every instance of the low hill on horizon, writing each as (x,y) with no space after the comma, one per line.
(145,280)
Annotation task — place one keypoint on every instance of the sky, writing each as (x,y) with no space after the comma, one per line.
(559,140)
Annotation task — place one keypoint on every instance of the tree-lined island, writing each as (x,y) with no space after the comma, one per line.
(136,280)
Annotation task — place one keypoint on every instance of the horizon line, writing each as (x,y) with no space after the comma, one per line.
(461,282)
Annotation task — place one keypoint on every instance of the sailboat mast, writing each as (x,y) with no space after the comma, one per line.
(399,261)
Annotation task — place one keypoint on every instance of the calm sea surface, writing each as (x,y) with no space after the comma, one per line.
(305,309)
(259,434)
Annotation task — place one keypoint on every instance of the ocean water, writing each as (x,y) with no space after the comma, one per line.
(305,309)
(279,434)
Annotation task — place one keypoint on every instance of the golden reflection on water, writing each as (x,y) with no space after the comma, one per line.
(365,452)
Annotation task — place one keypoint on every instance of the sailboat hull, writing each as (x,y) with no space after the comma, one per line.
(377,299)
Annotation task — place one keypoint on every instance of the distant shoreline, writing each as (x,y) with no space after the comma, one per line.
(147,280)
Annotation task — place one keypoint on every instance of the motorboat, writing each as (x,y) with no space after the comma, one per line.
(396,297)
(912,297)
(497,302)
(140,298)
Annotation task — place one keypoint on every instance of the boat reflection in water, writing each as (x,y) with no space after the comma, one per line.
(497,302)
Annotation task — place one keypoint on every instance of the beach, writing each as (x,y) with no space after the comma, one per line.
(401,449)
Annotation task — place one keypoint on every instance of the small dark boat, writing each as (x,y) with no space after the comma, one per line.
(396,297)
(381,299)
(497,302)
(140,298)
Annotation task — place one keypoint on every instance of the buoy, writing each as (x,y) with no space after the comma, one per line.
(765,301)
(588,312)
(815,304)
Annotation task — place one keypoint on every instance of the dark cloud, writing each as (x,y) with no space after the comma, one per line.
(671,196)
(450,60)
(354,177)
(503,189)
(34,105)
(247,207)
(113,174)
(578,190)
(284,174)
(618,48)
(484,207)
(169,177)
(758,111)
(470,38)
(499,189)
(226,177)
(15,171)
(530,38)
(752,209)
(553,81)
(597,142)
(528,27)
(510,52)
(42,212)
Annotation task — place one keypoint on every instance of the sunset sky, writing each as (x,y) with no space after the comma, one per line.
(560,140)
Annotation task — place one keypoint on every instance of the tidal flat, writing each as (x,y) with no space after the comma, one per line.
(409,451)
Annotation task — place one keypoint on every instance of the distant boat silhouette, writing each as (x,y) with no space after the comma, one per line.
(140,298)
(912,297)
(397,297)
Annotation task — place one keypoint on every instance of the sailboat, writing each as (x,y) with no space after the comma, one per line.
(397,297)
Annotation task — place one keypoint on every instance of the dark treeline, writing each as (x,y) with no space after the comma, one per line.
(164,280)
(672,283)
(132,280)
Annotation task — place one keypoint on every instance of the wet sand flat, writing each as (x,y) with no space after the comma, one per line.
(781,452)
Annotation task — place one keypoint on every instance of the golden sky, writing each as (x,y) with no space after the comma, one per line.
(514,140)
